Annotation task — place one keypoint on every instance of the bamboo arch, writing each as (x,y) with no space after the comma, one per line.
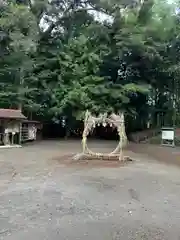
(90,122)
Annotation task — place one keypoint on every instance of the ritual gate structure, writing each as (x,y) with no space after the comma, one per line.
(114,121)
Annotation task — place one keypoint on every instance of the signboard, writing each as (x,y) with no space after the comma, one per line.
(32,132)
(168,136)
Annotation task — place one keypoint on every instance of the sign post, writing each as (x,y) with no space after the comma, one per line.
(168,138)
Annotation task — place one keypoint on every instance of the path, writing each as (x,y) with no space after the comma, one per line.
(41,199)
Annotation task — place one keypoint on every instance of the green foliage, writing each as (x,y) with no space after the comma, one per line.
(19,27)
(58,60)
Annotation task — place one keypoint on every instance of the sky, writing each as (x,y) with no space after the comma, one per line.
(99,16)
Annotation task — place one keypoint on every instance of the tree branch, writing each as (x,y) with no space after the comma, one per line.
(83,6)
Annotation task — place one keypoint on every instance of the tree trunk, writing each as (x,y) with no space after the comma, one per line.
(21,83)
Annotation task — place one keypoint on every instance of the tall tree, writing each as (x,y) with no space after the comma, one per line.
(19,31)
(58,58)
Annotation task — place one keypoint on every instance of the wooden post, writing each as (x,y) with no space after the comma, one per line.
(121,147)
(12,140)
(20,133)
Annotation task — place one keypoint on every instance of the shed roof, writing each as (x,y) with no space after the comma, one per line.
(31,121)
(11,114)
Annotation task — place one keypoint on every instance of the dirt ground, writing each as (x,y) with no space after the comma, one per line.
(46,199)
(168,155)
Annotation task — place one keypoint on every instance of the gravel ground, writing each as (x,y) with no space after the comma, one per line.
(42,199)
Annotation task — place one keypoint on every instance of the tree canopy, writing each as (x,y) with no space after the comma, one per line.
(62,57)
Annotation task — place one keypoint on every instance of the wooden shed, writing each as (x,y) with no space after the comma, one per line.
(10,127)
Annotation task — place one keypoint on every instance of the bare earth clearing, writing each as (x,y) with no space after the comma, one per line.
(48,199)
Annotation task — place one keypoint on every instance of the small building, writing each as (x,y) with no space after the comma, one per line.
(10,127)
(31,130)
